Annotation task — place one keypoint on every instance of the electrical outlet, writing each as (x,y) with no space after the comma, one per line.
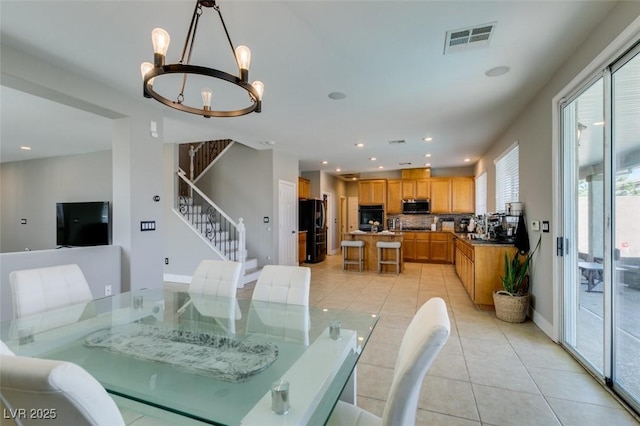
(107,290)
(535,225)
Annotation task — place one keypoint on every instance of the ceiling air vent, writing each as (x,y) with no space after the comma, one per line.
(469,38)
(397,142)
(350,176)
(406,163)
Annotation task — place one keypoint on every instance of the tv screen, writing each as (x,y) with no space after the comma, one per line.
(83,224)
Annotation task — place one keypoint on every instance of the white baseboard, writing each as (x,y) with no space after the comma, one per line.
(544,325)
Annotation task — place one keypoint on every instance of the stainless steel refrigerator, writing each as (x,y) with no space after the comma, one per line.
(313,219)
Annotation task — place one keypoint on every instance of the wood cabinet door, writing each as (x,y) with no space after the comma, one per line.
(423,246)
(440,195)
(364,192)
(423,189)
(394,196)
(304,188)
(463,195)
(408,189)
(439,247)
(409,246)
(378,192)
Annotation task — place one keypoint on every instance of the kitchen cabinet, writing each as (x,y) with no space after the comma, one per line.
(463,195)
(427,246)
(479,268)
(394,196)
(423,247)
(440,195)
(415,189)
(439,247)
(302,247)
(372,191)
(418,173)
(304,188)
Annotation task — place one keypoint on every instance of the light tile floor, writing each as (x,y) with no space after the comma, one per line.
(489,372)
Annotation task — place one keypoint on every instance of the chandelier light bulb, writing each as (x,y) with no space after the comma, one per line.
(145,68)
(160,39)
(243,56)
(259,86)
(206,99)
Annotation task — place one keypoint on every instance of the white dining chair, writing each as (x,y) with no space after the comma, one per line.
(34,291)
(63,390)
(283,284)
(424,338)
(288,287)
(217,278)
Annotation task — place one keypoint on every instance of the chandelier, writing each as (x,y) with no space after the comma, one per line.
(152,71)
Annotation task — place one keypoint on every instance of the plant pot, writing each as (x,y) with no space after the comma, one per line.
(510,308)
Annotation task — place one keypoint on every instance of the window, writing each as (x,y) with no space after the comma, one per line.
(507,177)
(481,194)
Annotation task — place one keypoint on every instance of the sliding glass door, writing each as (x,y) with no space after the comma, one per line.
(625,89)
(601,211)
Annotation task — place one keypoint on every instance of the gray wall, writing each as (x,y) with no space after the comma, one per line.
(100,266)
(30,190)
(533,130)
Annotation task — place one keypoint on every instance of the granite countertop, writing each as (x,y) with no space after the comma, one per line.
(478,242)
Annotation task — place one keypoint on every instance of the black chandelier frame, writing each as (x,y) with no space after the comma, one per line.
(186,69)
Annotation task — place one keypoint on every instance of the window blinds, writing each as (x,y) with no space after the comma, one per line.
(507,177)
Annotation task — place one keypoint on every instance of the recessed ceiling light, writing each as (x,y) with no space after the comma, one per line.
(338,170)
(359,145)
(325,162)
(427,164)
(336,96)
(427,155)
(381,167)
(467,160)
(428,139)
(372,158)
(25,148)
(267,143)
(497,71)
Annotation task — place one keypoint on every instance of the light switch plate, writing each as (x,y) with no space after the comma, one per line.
(535,225)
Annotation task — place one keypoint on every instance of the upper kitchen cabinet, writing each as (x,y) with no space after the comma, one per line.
(372,191)
(304,188)
(463,195)
(415,189)
(394,196)
(440,195)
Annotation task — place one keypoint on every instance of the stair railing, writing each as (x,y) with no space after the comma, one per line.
(226,236)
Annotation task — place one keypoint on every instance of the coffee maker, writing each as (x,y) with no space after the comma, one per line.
(464,225)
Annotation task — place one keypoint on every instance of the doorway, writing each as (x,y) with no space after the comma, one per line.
(600,151)
(287,223)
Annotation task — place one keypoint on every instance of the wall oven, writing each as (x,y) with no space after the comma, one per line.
(374,213)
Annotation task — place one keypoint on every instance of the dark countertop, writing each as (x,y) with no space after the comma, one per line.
(477,242)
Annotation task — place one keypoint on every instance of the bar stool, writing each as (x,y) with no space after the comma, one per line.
(345,259)
(389,245)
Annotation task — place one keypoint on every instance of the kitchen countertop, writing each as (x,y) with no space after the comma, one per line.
(478,242)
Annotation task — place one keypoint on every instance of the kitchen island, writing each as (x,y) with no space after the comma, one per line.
(370,250)
(479,265)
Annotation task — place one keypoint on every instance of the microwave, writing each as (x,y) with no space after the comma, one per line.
(416,206)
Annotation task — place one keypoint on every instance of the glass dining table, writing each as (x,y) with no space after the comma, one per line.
(213,359)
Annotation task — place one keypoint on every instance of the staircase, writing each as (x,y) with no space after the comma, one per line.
(225,236)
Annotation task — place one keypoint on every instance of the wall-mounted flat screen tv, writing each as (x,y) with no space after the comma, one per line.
(83,224)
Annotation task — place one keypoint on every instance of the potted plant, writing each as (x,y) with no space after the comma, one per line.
(512,302)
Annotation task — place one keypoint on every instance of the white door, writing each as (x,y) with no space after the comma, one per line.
(288,224)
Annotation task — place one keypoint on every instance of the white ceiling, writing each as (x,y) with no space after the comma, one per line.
(386,56)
